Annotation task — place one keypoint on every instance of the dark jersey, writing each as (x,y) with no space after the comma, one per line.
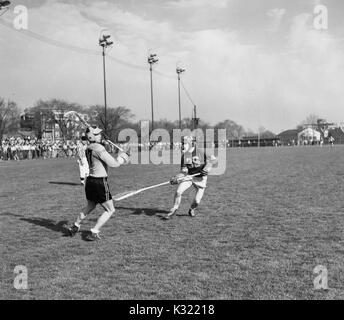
(194,161)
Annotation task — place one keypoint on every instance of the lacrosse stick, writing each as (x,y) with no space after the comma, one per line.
(125,195)
(88,125)
(115,145)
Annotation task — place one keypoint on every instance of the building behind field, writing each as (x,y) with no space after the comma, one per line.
(254,141)
(289,137)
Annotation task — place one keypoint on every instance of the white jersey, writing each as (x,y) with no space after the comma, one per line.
(99,160)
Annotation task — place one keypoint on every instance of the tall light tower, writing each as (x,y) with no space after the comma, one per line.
(179,71)
(152,59)
(195,119)
(105,43)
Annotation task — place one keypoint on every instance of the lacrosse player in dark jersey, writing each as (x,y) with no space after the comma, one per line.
(193,161)
(97,187)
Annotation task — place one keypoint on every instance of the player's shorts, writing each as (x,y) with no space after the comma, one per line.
(200,182)
(197,182)
(97,190)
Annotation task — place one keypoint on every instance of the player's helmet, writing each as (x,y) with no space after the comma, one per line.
(93,134)
(188,142)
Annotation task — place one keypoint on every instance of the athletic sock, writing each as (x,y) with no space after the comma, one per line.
(102,220)
(80,218)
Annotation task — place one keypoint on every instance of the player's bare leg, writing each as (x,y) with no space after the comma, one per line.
(197,200)
(73,230)
(178,197)
(109,211)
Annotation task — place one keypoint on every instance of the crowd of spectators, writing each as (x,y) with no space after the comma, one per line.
(22,148)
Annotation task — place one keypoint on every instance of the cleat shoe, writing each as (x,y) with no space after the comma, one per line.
(171,214)
(192,213)
(93,236)
(73,230)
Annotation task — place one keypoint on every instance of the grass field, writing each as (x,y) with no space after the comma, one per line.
(261,230)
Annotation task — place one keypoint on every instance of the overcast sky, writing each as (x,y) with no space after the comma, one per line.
(259,63)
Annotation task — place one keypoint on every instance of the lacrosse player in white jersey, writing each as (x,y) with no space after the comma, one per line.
(97,188)
(82,160)
(193,161)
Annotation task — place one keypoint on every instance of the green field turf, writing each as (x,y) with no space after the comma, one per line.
(261,230)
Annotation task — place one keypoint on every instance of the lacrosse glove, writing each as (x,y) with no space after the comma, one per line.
(123,158)
(176,179)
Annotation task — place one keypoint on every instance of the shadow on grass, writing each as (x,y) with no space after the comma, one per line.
(65,183)
(146,211)
(49,224)
(10,214)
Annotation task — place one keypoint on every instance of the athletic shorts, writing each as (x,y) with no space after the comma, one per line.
(97,190)
(197,182)
(200,182)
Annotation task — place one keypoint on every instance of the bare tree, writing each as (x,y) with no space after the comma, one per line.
(311,119)
(265,134)
(53,112)
(233,130)
(9,117)
(117,119)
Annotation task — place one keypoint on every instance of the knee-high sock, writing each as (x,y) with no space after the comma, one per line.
(79,219)
(83,215)
(102,220)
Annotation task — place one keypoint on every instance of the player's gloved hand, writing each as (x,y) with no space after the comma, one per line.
(105,143)
(177,178)
(213,160)
(184,170)
(173,181)
(123,158)
(204,172)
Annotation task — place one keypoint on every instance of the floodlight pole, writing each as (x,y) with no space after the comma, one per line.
(105,95)
(195,119)
(179,71)
(152,60)
(104,43)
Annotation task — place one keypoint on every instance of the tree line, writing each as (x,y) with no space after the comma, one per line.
(51,112)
